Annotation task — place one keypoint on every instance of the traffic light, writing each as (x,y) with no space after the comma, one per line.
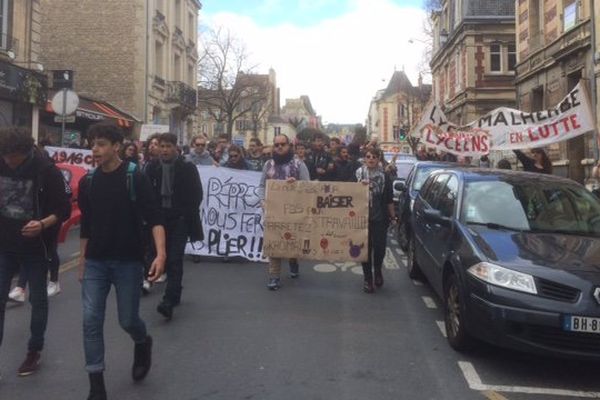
(402,134)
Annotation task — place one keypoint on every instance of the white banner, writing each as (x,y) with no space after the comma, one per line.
(150,129)
(508,129)
(80,157)
(232,217)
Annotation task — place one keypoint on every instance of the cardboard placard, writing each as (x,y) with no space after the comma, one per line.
(316,220)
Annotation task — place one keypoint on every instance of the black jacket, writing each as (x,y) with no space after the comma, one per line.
(345,170)
(33,191)
(187,194)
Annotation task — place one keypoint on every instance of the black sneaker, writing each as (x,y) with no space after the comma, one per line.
(31,363)
(294,270)
(165,309)
(142,359)
(274,283)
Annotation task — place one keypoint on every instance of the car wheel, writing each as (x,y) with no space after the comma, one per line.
(454,315)
(414,271)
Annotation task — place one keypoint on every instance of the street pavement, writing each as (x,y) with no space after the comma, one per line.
(319,337)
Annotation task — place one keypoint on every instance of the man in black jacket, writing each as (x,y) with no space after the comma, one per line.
(176,183)
(344,169)
(33,204)
(319,161)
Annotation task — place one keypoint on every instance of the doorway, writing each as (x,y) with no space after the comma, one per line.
(575,146)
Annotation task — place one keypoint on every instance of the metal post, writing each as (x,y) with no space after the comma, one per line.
(593,84)
(64,115)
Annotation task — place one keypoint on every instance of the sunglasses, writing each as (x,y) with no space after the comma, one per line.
(280,144)
(370,157)
(199,144)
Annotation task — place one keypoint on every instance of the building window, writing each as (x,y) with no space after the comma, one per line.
(569,15)
(277,130)
(158,60)
(4,42)
(192,27)
(178,13)
(495,58)
(191,73)
(512,56)
(177,68)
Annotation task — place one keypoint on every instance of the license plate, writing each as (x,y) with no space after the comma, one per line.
(581,324)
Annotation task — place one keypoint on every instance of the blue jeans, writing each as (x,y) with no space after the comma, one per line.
(34,269)
(98,277)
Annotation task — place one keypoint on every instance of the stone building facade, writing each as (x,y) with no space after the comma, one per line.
(473,57)
(554,45)
(396,109)
(23,87)
(140,55)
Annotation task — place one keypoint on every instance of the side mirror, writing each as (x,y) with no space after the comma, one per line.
(400,186)
(436,217)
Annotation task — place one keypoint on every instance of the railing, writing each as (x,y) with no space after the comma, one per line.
(180,93)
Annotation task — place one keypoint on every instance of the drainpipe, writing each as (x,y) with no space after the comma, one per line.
(593,80)
(145,119)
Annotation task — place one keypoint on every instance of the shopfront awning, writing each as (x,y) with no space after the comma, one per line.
(96,110)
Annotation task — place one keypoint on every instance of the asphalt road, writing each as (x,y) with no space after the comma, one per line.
(319,337)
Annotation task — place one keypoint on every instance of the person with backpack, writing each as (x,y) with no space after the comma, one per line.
(115,199)
(283,166)
(176,183)
(33,204)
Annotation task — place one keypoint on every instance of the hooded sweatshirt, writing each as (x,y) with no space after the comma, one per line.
(32,191)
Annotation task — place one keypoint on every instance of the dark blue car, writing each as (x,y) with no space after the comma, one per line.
(514,256)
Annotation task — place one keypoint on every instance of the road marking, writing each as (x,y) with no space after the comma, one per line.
(491,395)
(326,268)
(75,255)
(357,270)
(417,283)
(442,327)
(390,262)
(69,265)
(474,382)
(429,302)
(394,242)
(399,252)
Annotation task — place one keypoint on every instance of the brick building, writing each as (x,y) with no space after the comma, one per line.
(22,85)
(554,45)
(139,55)
(473,57)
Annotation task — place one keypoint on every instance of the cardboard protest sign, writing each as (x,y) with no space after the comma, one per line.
(80,157)
(508,129)
(316,220)
(231,214)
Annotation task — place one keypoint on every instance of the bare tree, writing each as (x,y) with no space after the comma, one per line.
(227,90)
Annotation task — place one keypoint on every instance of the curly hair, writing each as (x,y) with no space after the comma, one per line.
(15,139)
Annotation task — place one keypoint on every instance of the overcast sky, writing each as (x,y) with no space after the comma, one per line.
(338,52)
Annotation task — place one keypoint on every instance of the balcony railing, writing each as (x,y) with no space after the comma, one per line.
(182,94)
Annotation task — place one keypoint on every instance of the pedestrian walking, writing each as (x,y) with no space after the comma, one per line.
(236,159)
(254,157)
(199,154)
(33,204)
(344,168)
(131,154)
(319,161)
(381,214)
(114,200)
(176,183)
(283,166)
(538,162)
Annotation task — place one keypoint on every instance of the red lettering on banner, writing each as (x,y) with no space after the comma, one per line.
(428,136)
(544,131)
(565,122)
(485,147)
(531,137)
(574,122)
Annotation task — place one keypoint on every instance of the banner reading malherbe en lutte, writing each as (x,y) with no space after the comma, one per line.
(317,220)
(231,214)
(508,129)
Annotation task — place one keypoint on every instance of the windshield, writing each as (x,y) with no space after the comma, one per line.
(532,206)
(403,169)
(421,174)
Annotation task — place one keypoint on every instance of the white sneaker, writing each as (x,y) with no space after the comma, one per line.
(17,295)
(162,278)
(53,288)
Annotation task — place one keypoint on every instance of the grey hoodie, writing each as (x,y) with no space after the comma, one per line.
(200,159)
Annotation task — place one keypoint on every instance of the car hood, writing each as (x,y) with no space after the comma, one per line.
(579,255)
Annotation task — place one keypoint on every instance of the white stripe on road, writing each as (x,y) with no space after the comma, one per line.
(442,327)
(394,242)
(399,252)
(429,302)
(475,383)
(417,283)
(75,255)
(390,262)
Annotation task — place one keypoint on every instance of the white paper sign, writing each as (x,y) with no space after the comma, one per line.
(149,130)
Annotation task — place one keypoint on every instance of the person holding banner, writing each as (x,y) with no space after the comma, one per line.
(539,163)
(381,214)
(283,166)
